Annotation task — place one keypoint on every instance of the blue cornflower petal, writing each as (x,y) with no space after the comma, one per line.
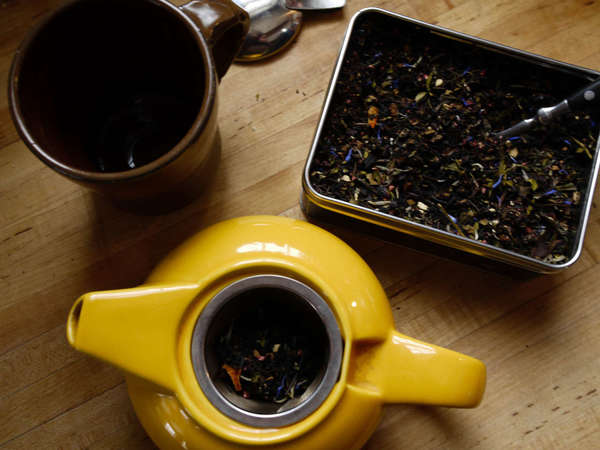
(348,156)
(550,192)
(280,387)
(497,183)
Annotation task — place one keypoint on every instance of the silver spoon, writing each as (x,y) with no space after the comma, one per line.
(272,28)
(311,5)
(275,23)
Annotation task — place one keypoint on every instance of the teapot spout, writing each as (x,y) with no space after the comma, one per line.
(134,329)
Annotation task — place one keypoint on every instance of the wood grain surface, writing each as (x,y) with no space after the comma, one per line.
(540,337)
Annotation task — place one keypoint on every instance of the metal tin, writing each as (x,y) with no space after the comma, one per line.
(400,230)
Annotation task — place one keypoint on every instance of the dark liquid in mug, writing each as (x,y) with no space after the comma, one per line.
(112,98)
(137,129)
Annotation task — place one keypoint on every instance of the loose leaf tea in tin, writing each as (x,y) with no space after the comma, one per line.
(410,133)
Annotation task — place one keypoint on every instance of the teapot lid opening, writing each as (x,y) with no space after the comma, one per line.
(267,350)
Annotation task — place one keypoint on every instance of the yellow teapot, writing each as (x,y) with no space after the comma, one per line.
(163,334)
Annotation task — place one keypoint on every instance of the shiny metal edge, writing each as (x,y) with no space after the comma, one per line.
(316,398)
(426,232)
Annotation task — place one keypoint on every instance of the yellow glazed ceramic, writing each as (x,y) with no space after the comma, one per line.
(148,332)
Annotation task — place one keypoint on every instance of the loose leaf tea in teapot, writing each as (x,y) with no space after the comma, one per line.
(410,129)
(266,357)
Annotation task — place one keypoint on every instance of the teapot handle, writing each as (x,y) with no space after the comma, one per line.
(406,370)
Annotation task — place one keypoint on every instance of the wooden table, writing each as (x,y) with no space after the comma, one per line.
(540,338)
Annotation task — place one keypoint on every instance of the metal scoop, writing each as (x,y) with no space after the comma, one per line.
(589,95)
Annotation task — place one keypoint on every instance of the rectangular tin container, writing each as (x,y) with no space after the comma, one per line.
(423,237)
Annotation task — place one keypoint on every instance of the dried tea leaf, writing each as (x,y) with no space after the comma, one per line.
(534,184)
(372,181)
(420,96)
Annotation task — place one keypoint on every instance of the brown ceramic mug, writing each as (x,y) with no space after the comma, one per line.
(121,96)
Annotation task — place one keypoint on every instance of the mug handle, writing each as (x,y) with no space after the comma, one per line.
(405,370)
(223,24)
